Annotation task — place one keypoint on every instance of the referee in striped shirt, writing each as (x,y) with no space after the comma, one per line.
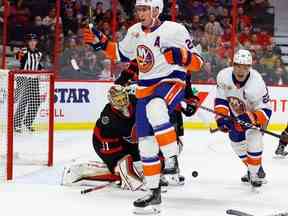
(27,92)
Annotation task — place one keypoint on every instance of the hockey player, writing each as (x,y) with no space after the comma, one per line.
(129,76)
(283,143)
(113,141)
(164,54)
(242,94)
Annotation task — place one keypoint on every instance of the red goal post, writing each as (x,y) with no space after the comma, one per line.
(26,119)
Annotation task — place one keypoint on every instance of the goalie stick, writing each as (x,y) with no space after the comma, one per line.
(241,213)
(95,188)
(241,122)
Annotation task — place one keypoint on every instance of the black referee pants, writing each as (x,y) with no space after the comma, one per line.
(28,96)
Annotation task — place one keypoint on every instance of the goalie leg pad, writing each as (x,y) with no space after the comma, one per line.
(91,171)
(129,177)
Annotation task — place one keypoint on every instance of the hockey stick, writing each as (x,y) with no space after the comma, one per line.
(213,130)
(241,213)
(246,124)
(95,188)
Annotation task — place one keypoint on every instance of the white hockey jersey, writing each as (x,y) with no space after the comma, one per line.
(234,98)
(147,48)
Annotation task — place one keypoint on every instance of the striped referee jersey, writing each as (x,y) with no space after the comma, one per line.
(29,60)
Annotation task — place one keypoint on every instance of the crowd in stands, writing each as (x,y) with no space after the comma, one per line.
(208,21)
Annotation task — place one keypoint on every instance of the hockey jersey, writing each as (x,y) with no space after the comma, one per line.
(147,48)
(234,98)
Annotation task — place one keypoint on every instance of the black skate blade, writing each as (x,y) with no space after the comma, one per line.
(237,213)
(280,157)
(148,210)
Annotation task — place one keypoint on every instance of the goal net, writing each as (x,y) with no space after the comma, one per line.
(26,121)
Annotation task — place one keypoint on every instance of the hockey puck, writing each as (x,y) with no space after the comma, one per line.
(194,174)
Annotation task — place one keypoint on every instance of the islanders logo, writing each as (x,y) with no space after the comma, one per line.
(145,58)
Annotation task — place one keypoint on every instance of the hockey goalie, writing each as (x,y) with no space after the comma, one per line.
(115,143)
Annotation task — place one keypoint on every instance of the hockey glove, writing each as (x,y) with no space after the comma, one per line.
(192,106)
(183,57)
(224,124)
(247,117)
(179,56)
(94,38)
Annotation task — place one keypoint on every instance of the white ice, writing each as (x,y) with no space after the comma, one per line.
(216,189)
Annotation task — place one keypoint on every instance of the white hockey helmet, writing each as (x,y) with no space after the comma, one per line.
(151,3)
(243,56)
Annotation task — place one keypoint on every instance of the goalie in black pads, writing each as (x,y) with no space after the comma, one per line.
(114,144)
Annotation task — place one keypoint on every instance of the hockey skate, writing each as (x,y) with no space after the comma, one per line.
(256,181)
(280,151)
(30,129)
(17,129)
(149,204)
(171,172)
(260,175)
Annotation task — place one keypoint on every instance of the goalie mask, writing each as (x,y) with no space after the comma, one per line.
(118,97)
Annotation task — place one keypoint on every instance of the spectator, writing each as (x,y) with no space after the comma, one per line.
(194,7)
(254,43)
(18,22)
(196,28)
(269,59)
(243,18)
(214,8)
(98,12)
(105,74)
(226,37)
(245,35)
(279,75)
(38,28)
(213,27)
(263,38)
(50,20)
(70,23)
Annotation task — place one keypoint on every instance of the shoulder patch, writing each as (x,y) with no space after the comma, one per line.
(105,120)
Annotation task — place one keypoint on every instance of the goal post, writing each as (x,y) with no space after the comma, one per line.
(26,119)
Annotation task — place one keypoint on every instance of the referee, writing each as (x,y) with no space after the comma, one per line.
(27,92)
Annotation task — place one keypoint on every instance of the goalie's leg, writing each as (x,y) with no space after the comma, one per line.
(92,170)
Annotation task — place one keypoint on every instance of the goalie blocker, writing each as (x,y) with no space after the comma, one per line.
(114,144)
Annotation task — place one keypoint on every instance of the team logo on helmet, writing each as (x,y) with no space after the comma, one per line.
(145,58)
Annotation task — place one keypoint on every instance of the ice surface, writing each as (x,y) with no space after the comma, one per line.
(216,189)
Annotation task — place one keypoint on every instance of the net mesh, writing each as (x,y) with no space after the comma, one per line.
(30,121)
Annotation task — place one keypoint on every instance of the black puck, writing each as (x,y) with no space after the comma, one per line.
(194,174)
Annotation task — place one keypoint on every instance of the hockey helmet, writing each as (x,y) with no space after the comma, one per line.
(152,3)
(243,56)
(118,97)
(31,36)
